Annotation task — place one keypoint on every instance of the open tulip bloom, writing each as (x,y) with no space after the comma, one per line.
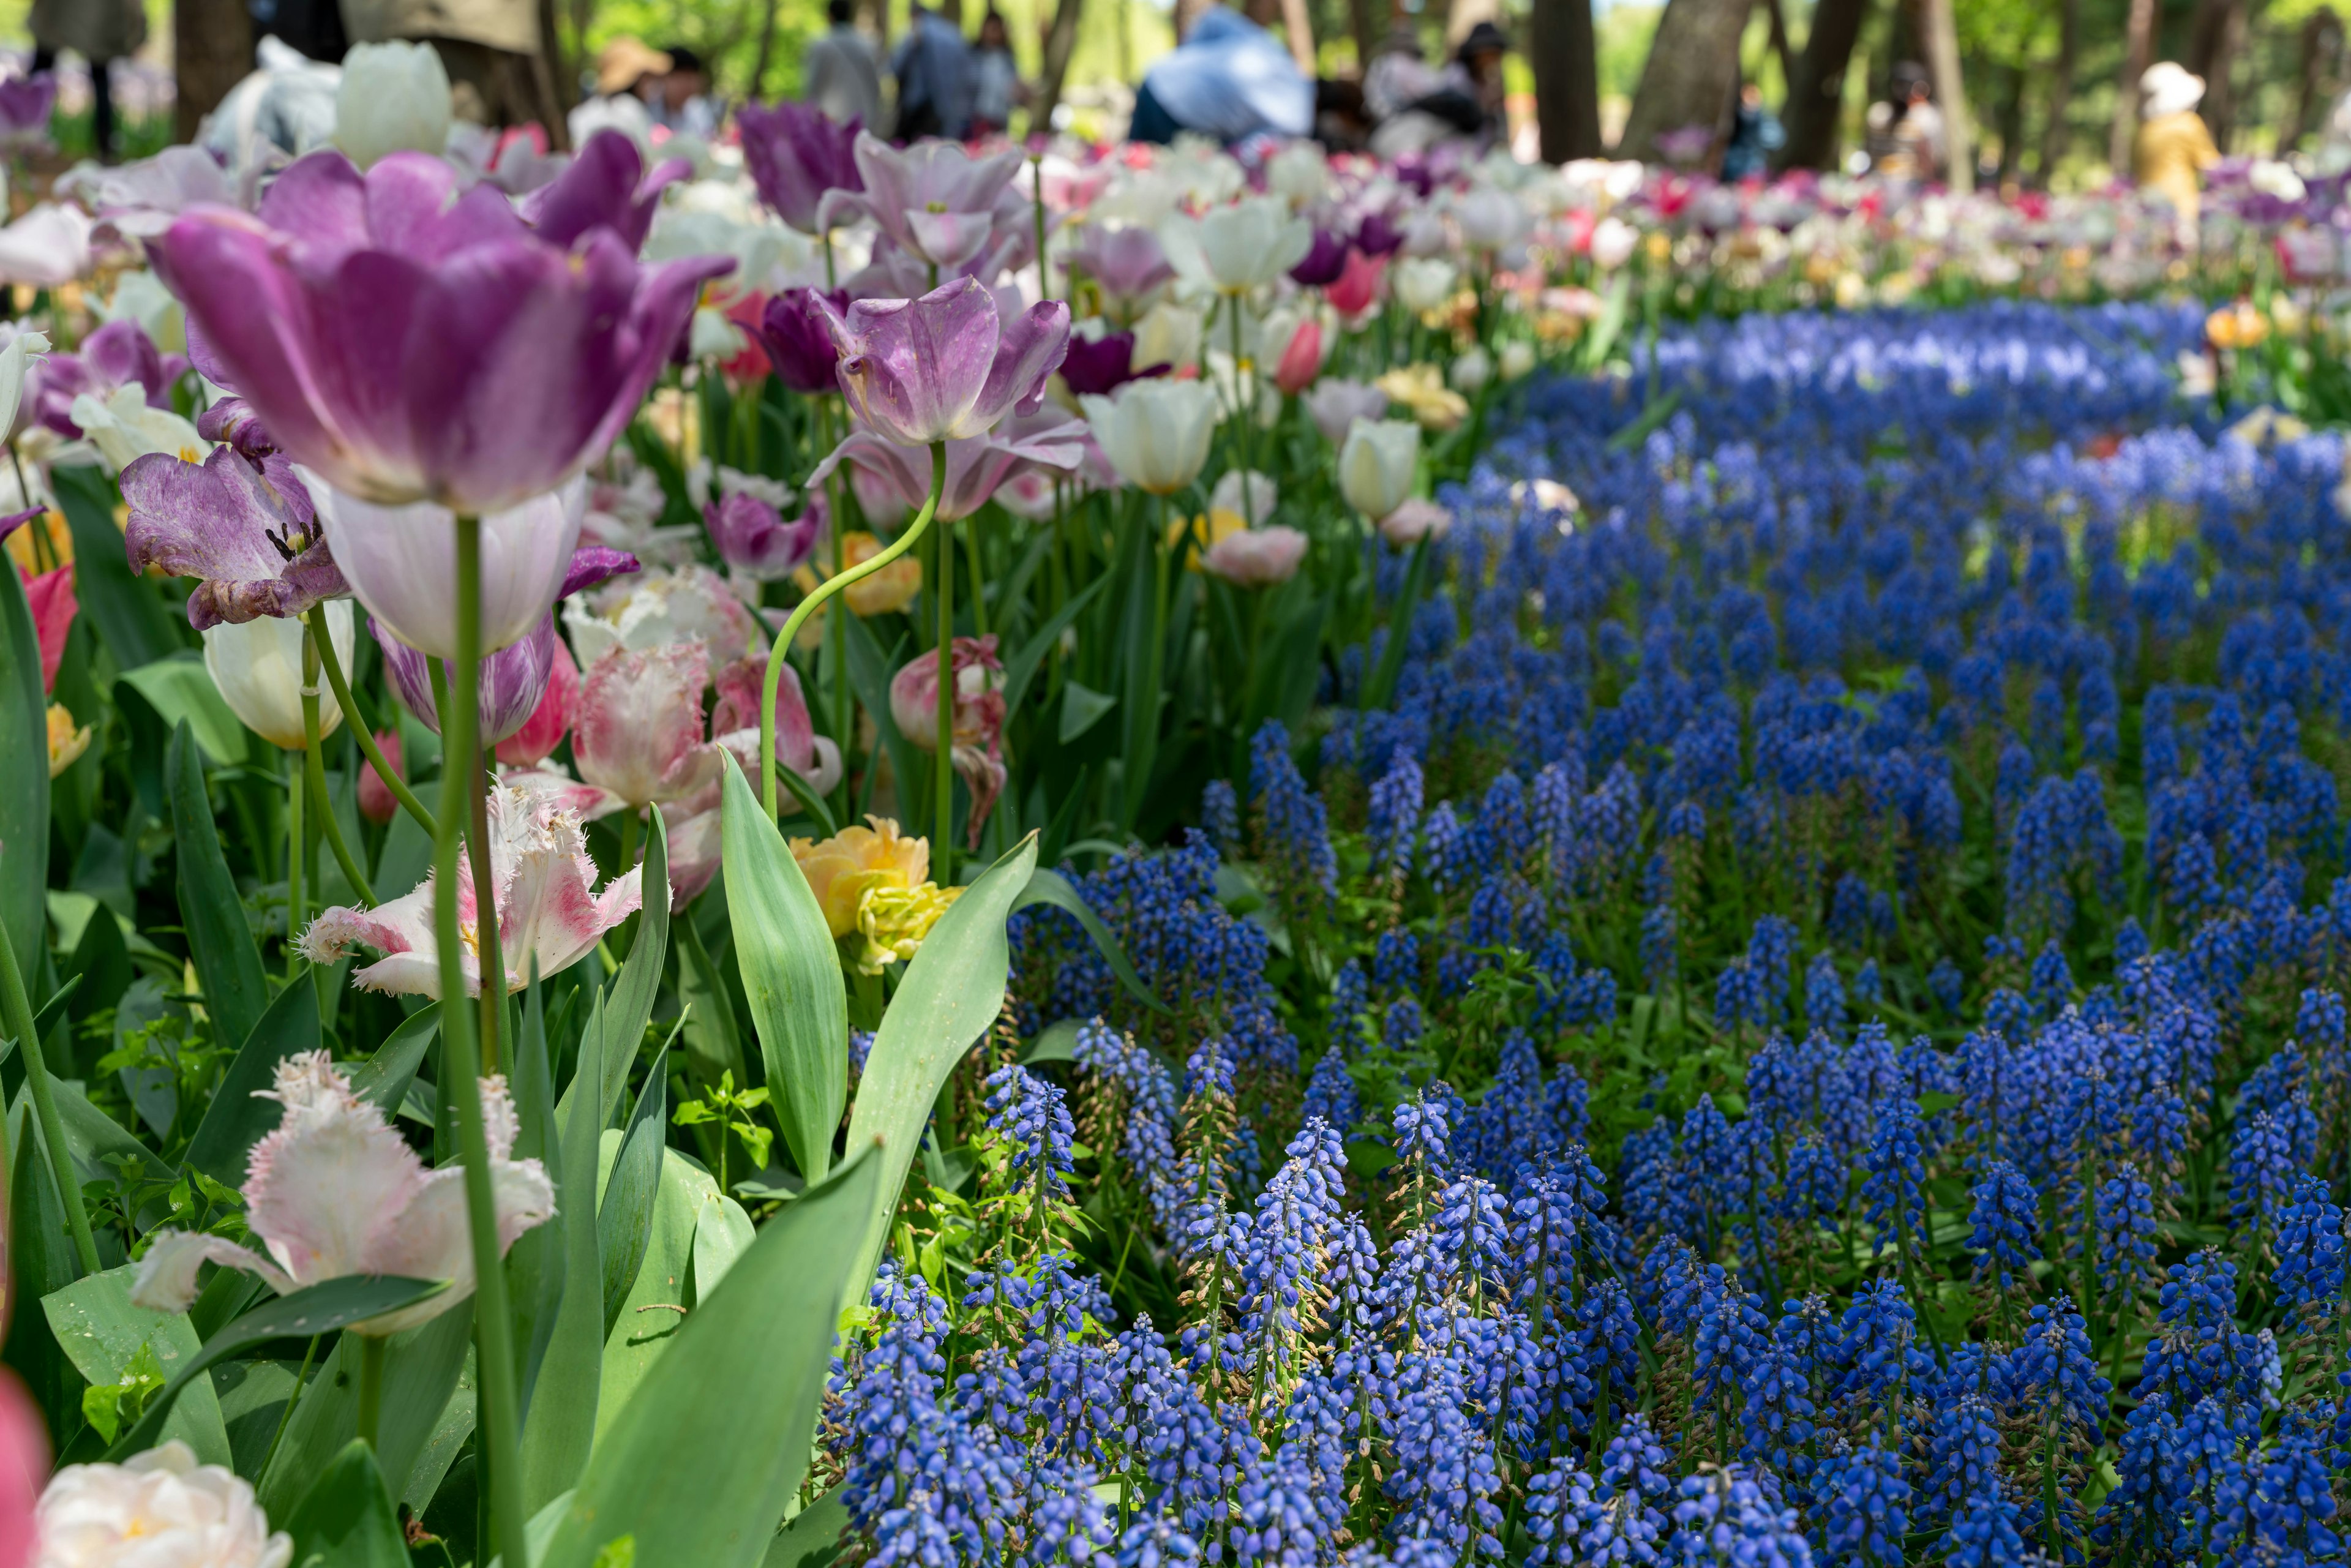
(944,367)
(932,200)
(248,530)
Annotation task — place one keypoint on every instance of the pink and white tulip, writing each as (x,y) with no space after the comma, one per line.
(977,740)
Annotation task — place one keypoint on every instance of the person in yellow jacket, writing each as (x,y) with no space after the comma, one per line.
(2174,148)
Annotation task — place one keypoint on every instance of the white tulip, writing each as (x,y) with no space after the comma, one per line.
(161,1510)
(1489,220)
(1168,334)
(1472,369)
(124,429)
(394,97)
(257,665)
(1240,248)
(14,360)
(1377,464)
(1298,174)
(1613,240)
(140,297)
(1246,494)
(1422,284)
(1517,357)
(1156,433)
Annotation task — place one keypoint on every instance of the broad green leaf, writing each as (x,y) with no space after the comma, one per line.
(1057,1041)
(1052,887)
(701,1464)
(662,1296)
(346,1520)
(382,1080)
(624,1212)
(535,1263)
(723,1232)
(953,990)
(1081,706)
(812,1538)
(102,1333)
(235,1120)
(127,610)
(179,689)
(24,777)
(40,1262)
(791,979)
(810,801)
(561,1421)
(102,962)
(421,1368)
(1140,748)
(319,1309)
(1022,667)
(713,1038)
(228,965)
(628,1000)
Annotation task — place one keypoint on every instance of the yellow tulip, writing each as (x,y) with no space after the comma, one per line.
(873,885)
(66,742)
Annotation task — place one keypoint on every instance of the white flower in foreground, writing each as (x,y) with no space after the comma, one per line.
(336,1191)
(163,1510)
(1156,433)
(395,97)
(257,666)
(548,910)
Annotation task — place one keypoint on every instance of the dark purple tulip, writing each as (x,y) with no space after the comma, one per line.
(232,421)
(1326,258)
(1101,365)
(1377,236)
(407,342)
(799,343)
(24,106)
(513,679)
(602,188)
(117,355)
(753,537)
(248,530)
(796,154)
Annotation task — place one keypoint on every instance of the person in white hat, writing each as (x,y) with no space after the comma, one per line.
(2174,148)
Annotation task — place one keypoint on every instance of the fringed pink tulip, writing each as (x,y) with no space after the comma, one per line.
(550,913)
(639,731)
(978,737)
(336,1191)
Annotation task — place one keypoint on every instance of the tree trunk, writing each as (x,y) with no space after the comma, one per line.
(1060,42)
(212,49)
(557,79)
(2138,50)
(1777,15)
(1566,63)
(1298,31)
(2011,123)
(2321,54)
(2219,32)
(2060,91)
(1816,87)
(1691,74)
(1942,39)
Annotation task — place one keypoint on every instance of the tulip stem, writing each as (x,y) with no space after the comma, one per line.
(836,627)
(817,596)
(493,1323)
(333,664)
(1246,398)
(943,752)
(978,576)
(372,1349)
(16,1012)
(298,784)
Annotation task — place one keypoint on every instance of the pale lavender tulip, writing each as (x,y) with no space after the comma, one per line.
(1048,441)
(1128,265)
(140,200)
(512,681)
(933,199)
(408,342)
(944,367)
(753,538)
(335,1190)
(1334,405)
(1256,558)
(606,186)
(550,913)
(796,154)
(24,106)
(248,530)
(400,561)
(119,354)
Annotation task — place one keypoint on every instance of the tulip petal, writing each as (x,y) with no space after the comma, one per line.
(1032,349)
(329,1185)
(167,1274)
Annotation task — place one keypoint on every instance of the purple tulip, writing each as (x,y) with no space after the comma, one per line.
(753,538)
(117,355)
(407,342)
(600,188)
(513,679)
(1128,264)
(1101,365)
(1325,260)
(931,200)
(248,529)
(799,345)
(232,421)
(796,154)
(976,468)
(945,366)
(1375,235)
(24,106)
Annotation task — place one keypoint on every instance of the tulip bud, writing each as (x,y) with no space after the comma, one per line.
(1156,433)
(1472,369)
(394,97)
(1423,284)
(1377,465)
(1302,361)
(376,801)
(1414,520)
(257,665)
(1517,358)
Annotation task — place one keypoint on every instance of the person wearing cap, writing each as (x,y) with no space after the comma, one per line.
(627,67)
(2174,148)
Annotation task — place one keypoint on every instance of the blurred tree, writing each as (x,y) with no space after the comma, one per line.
(212,50)
(1565,56)
(2138,53)
(1816,84)
(1691,76)
(2061,90)
(2321,63)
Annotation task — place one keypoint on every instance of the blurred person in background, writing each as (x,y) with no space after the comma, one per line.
(934,68)
(682,102)
(995,85)
(1905,140)
(99,31)
(843,70)
(1417,107)
(1755,134)
(2174,147)
(1229,79)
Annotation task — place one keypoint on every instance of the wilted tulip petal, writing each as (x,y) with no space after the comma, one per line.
(978,715)
(753,538)
(336,1191)
(550,914)
(251,534)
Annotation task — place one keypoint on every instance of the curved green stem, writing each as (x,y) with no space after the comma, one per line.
(493,1323)
(817,596)
(17,1014)
(296,786)
(371,1416)
(943,751)
(314,765)
(333,664)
